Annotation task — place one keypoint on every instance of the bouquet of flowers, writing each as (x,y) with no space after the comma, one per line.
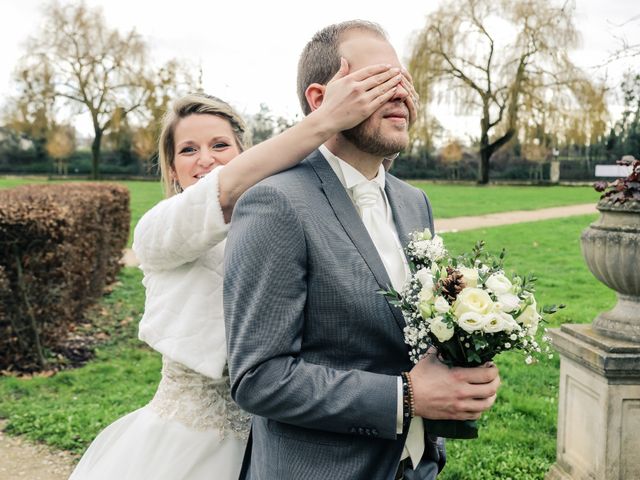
(469,309)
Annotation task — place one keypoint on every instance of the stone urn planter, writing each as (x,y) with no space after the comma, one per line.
(611,248)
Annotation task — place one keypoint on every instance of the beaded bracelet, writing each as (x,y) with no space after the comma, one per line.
(408,405)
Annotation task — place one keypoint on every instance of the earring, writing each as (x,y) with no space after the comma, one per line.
(176,187)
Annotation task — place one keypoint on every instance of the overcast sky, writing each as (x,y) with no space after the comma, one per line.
(249,49)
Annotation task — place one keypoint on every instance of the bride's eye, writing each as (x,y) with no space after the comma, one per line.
(219,145)
(188,150)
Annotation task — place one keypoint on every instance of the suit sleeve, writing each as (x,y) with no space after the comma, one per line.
(265,291)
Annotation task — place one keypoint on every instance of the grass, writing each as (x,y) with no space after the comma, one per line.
(517,436)
(451,201)
(68,409)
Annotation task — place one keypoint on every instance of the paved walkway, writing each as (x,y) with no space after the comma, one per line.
(21,459)
(506,218)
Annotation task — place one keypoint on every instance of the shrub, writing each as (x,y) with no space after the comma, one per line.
(59,246)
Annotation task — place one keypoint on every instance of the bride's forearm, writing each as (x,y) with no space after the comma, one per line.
(271,156)
(343,103)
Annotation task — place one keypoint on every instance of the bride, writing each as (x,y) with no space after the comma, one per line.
(191,429)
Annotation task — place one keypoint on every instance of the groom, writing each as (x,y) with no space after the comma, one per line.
(315,353)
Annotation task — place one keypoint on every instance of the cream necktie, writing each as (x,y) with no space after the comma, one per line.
(367,196)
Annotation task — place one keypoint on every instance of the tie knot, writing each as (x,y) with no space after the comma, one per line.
(366,194)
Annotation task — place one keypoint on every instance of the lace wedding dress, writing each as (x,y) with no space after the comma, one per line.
(191,429)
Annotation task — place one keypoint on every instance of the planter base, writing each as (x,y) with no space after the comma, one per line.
(623,321)
(599,406)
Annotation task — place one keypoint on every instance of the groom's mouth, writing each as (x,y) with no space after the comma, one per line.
(397,115)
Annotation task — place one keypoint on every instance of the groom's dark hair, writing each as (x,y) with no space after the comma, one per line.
(320,59)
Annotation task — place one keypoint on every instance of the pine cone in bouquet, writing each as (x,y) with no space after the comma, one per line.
(452,284)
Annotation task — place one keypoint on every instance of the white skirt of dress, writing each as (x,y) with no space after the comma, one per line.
(142,445)
(191,430)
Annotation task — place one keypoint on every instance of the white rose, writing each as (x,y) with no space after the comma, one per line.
(498,321)
(510,323)
(441,330)
(441,305)
(426,295)
(508,302)
(529,318)
(425,305)
(499,284)
(472,321)
(493,323)
(425,277)
(469,276)
(472,300)
(425,309)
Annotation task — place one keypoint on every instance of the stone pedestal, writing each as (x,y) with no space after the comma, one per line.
(599,406)
(554,172)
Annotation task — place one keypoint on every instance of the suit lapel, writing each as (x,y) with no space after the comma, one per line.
(351,222)
(398,209)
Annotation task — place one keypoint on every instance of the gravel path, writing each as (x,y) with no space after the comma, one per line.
(20,459)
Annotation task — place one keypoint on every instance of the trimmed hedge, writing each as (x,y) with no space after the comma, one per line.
(60,245)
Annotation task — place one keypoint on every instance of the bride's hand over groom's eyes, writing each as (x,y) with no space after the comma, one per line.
(350,98)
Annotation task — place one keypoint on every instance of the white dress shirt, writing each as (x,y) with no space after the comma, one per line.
(389,248)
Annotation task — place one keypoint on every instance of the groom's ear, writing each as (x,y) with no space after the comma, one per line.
(315,95)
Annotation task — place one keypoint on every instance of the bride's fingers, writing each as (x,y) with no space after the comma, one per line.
(408,85)
(384,88)
(406,73)
(411,100)
(375,80)
(342,72)
(366,72)
(377,101)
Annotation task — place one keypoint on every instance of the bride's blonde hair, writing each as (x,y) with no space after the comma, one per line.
(194,103)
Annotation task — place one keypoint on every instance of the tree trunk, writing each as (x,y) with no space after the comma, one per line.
(95,155)
(483,172)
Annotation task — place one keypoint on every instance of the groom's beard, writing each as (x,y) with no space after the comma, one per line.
(369,139)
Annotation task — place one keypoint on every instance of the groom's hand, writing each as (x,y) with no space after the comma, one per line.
(442,392)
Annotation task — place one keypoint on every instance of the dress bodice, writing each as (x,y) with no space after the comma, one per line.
(199,402)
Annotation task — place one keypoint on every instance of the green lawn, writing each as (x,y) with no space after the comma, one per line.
(517,437)
(448,200)
(461,200)
(70,408)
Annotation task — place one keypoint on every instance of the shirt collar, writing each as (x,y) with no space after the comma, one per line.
(349,176)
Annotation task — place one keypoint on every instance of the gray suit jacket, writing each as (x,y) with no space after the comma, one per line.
(314,350)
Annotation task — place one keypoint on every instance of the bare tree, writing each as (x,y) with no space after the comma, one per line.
(451,154)
(31,113)
(493,57)
(96,69)
(60,145)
